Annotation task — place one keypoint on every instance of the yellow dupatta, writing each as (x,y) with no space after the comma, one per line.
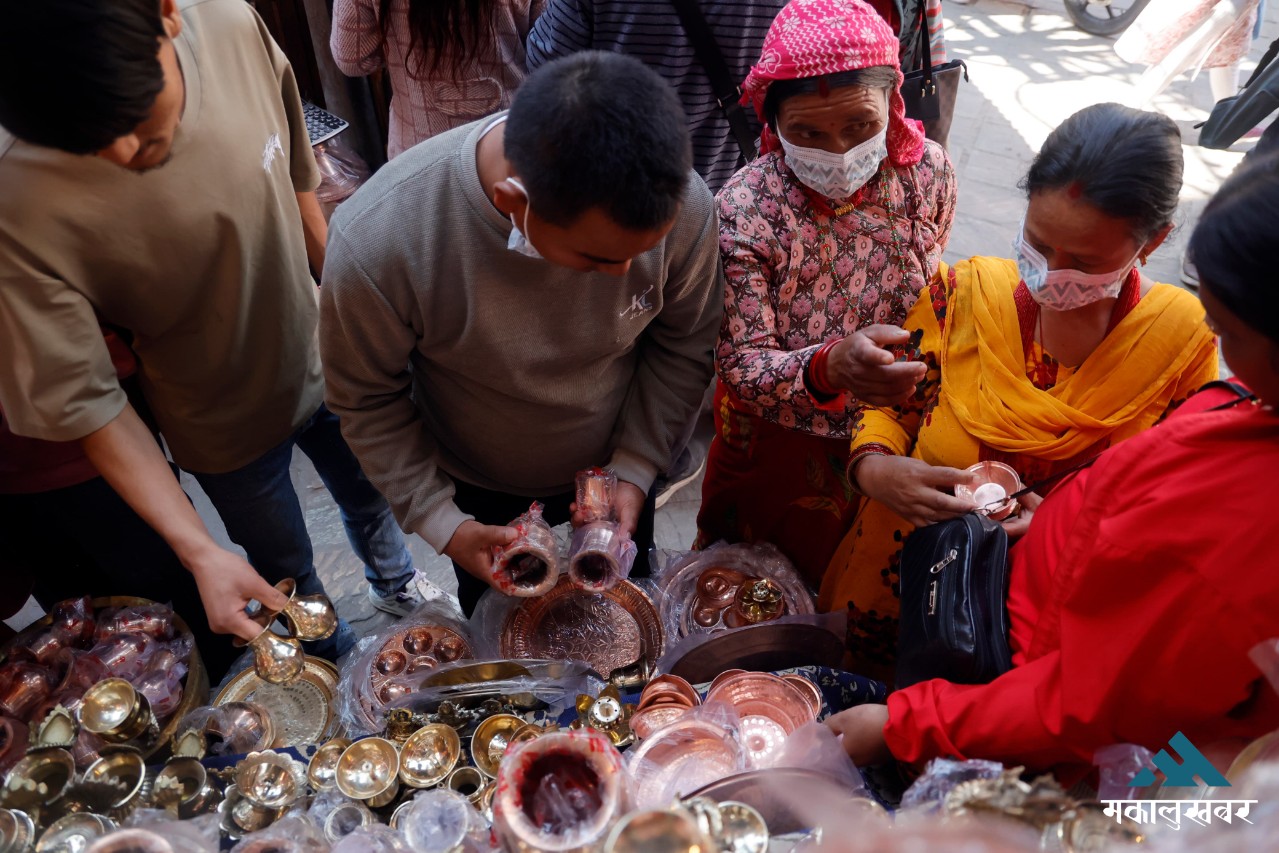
(983,367)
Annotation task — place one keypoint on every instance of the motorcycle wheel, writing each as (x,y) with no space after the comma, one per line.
(1104,17)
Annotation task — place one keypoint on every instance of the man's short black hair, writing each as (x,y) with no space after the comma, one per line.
(597,129)
(78,74)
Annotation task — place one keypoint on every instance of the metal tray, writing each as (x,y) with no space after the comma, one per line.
(301,710)
(762,648)
(608,630)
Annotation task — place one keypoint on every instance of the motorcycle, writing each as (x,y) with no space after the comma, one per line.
(1104,17)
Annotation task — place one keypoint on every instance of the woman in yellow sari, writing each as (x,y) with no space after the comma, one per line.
(1039,362)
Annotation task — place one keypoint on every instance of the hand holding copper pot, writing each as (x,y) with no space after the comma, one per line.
(601,554)
(530,565)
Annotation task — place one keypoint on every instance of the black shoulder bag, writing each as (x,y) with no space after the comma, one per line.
(954,592)
(728,92)
(1234,116)
(930,93)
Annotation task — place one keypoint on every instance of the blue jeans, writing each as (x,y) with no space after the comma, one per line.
(262,514)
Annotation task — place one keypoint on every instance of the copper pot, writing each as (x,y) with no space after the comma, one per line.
(23,686)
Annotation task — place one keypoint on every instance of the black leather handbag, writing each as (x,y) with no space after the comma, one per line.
(929,93)
(954,594)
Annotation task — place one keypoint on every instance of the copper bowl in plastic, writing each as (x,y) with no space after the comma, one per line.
(560,792)
(665,688)
(810,690)
(243,727)
(600,555)
(992,483)
(429,755)
(769,708)
(682,756)
(23,686)
(644,723)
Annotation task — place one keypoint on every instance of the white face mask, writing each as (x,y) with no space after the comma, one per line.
(837,176)
(519,241)
(1065,290)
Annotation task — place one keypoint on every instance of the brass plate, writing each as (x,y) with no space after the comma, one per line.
(608,630)
(302,710)
(761,648)
(475,673)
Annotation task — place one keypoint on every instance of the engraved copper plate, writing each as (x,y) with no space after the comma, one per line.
(608,630)
(302,711)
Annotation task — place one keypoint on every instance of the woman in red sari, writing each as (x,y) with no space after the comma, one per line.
(827,239)
(1145,582)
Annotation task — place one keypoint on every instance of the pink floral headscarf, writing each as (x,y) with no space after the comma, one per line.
(810,38)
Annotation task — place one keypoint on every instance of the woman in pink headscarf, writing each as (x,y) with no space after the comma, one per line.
(827,239)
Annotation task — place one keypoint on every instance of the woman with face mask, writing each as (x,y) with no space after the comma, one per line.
(1038,362)
(1143,601)
(826,238)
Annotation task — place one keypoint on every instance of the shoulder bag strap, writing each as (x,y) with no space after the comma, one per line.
(727,91)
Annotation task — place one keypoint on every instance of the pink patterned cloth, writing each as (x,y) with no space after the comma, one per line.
(1164,24)
(798,275)
(812,38)
(422,108)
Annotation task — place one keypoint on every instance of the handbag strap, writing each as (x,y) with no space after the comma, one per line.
(1266,59)
(727,91)
(1242,395)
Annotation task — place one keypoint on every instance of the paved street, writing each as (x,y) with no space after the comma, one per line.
(1030,68)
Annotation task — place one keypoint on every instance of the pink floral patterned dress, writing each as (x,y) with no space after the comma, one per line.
(798,276)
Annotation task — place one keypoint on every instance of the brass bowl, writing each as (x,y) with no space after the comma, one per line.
(322,771)
(270,780)
(429,755)
(188,786)
(368,769)
(73,833)
(39,779)
(116,712)
(491,739)
(246,816)
(17,830)
(124,770)
(744,830)
(658,831)
(195,687)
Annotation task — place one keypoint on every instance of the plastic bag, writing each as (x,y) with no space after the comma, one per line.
(390,664)
(293,833)
(375,838)
(336,816)
(1118,764)
(199,835)
(816,747)
(928,793)
(712,590)
(561,791)
(74,621)
(701,746)
(530,565)
(600,554)
(342,172)
(154,620)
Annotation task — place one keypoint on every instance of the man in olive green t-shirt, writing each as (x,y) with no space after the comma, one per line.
(198,249)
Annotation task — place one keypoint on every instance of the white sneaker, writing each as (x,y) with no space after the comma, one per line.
(401,603)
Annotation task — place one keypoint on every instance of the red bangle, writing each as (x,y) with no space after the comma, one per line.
(818,373)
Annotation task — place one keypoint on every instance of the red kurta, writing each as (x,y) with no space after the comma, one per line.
(1134,601)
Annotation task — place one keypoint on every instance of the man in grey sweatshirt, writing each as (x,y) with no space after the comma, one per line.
(520,298)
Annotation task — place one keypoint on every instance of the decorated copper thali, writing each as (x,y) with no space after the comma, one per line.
(731,587)
(407,656)
(302,710)
(609,630)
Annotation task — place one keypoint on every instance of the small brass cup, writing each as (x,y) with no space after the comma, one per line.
(322,771)
(114,711)
(123,769)
(270,780)
(185,788)
(491,739)
(468,782)
(369,770)
(429,755)
(310,617)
